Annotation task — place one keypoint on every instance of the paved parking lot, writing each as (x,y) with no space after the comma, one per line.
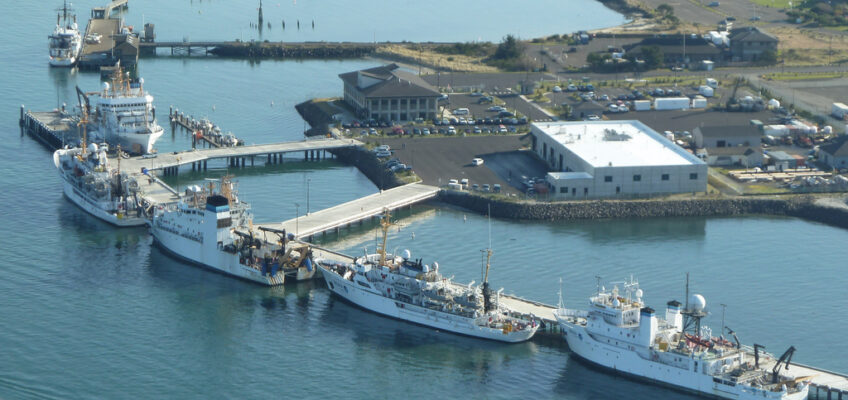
(437,160)
(690,119)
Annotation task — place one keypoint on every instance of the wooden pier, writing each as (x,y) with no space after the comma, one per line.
(258,49)
(54,129)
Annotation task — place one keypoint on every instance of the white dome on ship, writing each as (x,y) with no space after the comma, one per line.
(616,303)
(92,148)
(141,81)
(435,266)
(639,293)
(697,302)
(106,86)
(407,254)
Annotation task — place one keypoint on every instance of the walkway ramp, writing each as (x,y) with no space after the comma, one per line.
(354,211)
(169,160)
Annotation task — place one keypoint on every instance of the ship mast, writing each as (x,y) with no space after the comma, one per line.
(487,292)
(385,223)
(84,123)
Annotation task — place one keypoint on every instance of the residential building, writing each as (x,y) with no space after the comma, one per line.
(747,156)
(679,49)
(835,153)
(387,93)
(601,159)
(749,43)
(726,136)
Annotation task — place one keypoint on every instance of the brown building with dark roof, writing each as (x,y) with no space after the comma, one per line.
(835,153)
(679,49)
(749,43)
(386,93)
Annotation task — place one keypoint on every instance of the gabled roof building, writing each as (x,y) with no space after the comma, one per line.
(387,93)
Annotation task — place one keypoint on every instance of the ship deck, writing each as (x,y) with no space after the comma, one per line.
(823,381)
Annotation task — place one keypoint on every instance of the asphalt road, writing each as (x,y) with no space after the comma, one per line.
(438,160)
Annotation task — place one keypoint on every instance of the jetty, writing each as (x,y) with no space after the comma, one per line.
(258,49)
(54,128)
(113,43)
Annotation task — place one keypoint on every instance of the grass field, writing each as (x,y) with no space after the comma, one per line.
(794,76)
(775,3)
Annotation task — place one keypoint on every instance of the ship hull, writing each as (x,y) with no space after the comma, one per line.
(632,364)
(63,62)
(220,261)
(135,143)
(376,302)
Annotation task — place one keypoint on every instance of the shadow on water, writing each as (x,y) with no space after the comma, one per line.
(430,347)
(609,231)
(580,379)
(218,168)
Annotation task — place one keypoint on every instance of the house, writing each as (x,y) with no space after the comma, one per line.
(726,136)
(608,159)
(387,93)
(782,160)
(747,156)
(835,153)
(749,43)
(679,49)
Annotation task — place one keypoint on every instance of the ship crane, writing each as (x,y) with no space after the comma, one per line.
(785,359)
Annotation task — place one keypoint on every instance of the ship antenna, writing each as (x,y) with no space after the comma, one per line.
(560,305)
(598,278)
(84,122)
(487,295)
(385,223)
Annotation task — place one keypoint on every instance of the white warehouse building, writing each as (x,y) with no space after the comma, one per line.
(603,159)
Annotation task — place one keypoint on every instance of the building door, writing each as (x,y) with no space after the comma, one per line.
(560,162)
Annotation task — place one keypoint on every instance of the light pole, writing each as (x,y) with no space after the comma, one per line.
(307,195)
(296,220)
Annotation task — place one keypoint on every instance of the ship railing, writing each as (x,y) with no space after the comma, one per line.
(567,312)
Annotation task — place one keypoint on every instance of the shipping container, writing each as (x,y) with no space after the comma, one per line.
(706,91)
(776,130)
(839,110)
(671,103)
(642,105)
(699,102)
(712,83)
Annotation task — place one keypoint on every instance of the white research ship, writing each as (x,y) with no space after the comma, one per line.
(405,289)
(90,183)
(65,43)
(204,228)
(619,332)
(125,115)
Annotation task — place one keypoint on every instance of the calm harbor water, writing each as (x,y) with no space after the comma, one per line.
(89,311)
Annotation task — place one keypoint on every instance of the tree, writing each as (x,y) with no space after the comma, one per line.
(508,48)
(768,57)
(653,56)
(665,10)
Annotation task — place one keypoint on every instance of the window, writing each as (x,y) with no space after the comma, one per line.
(563,189)
(574,191)
(608,178)
(637,178)
(693,176)
(585,191)
(617,189)
(413,103)
(665,177)
(402,103)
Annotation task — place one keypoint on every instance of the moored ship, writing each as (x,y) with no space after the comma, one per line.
(621,333)
(205,228)
(125,115)
(90,183)
(65,43)
(406,289)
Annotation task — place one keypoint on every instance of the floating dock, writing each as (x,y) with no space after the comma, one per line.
(334,218)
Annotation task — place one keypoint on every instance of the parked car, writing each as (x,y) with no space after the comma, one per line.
(425,131)
(486,187)
(477,161)
(496,188)
(372,131)
(557,89)
(381,154)
(593,117)
(571,88)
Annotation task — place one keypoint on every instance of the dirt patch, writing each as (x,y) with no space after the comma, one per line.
(424,55)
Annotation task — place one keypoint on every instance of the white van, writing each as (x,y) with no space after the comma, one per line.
(461,111)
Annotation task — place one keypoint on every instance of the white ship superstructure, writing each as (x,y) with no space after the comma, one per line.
(126,115)
(65,43)
(406,289)
(619,332)
(205,228)
(90,183)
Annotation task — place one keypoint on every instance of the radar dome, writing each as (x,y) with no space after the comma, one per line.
(435,266)
(639,293)
(92,148)
(406,254)
(106,86)
(141,81)
(616,303)
(697,302)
